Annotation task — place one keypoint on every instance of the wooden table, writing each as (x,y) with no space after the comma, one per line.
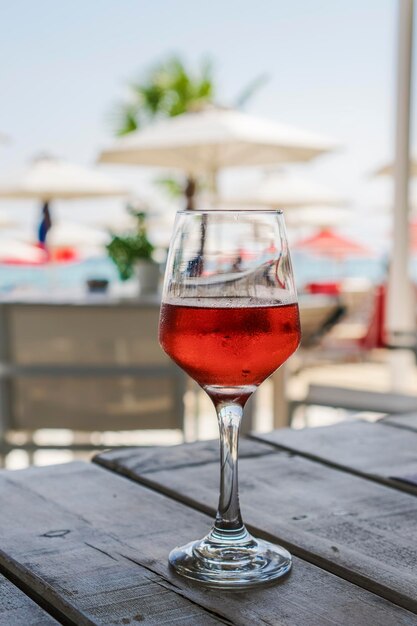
(87,543)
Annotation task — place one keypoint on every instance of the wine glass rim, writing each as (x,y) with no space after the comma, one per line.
(230,211)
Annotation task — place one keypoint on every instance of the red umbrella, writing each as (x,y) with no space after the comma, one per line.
(21,253)
(329,244)
(64,254)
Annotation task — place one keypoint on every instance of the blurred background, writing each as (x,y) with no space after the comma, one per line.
(114,116)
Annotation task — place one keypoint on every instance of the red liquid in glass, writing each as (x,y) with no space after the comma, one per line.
(229,347)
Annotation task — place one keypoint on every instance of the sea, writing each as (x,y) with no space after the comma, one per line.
(74,276)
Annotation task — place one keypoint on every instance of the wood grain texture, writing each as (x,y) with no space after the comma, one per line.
(376,451)
(17,609)
(408,421)
(97,544)
(81,571)
(355,528)
(146,459)
(360,399)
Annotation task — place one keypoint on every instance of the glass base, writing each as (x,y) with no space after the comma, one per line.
(240,564)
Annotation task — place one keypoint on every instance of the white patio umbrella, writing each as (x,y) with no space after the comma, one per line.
(389,168)
(283,190)
(203,142)
(13,250)
(212,139)
(48,178)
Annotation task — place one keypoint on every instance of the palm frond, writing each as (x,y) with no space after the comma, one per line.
(168,89)
(250,90)
(124,118)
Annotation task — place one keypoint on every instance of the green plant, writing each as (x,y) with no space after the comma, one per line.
(126,250)
(168,89)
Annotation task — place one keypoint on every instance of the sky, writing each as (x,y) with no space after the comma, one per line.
(331,69)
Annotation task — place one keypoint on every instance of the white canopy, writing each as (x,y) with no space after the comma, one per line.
(388,168)
(281,190)
(215,138)
(48,178)
(15,250)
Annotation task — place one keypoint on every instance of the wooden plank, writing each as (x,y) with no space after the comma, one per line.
(354,528)
(376,451)
(152,459)
(97,545)
(17,609)
(74,566)
(408,421)
(359,399)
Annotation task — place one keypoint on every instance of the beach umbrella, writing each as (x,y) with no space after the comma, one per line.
(388,168)
(329,244)
(48,178)
(203,142)
(282,190)
(17,252)
(215,138)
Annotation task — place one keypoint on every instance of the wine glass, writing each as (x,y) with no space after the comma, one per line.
(229,318)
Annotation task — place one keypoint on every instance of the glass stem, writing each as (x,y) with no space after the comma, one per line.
(228,525)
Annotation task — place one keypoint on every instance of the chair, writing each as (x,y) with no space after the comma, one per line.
(88,367)
(318,314)
(351,334)
(357,400)
(357,334)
